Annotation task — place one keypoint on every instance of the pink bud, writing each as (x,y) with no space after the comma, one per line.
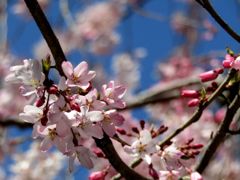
(218,70)
(74,106)
(98,152)
(53,90)
(193,102)
(208,76)
(227,63)
(44,120)
(40,101)
(98,175)
(153,173)
(197,146)
(121,131)
(190,93)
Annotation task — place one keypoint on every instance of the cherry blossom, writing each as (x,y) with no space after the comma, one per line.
(113,94)
(143,146)
(79,76)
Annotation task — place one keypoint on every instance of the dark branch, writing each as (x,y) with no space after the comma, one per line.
(219,136)
(47,33)
(14,122)
(206,5)
(195,117)
(107,147)
(236,132)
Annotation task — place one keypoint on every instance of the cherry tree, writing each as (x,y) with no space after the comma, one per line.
(80,117)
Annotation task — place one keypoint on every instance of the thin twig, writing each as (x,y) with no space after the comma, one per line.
(195,117)
(15,122)
(107,147)
(236,132)
(207,5)
(219,135)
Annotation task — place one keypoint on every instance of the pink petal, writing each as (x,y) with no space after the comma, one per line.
(81,69)
(67,68)
(46,144)
(95,116)
(94,130)
(83,156)
(109,128)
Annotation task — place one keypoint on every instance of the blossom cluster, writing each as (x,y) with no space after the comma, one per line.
(67,113)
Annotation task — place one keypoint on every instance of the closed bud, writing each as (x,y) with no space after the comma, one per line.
(135,129)
(40,101)
(190,93)
(98,175)
(121,131)
(98,153)
(44,120)
(193,102)
(153,172)
(53,90)
(142,124)
(74,106)
(208,76)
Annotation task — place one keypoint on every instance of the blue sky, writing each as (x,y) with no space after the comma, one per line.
(156,36)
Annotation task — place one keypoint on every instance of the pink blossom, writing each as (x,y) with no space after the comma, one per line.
(111,119)
(227,63)
(79,76)
(143,146)
(31,114)
(91,100)
(113,95)
(83,155)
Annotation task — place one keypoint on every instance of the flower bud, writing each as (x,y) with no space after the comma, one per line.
(208,76)
(40,101)
(153,172)
(121,131)
(98,152)
(44,120)
(190,93)
(193,102)
(53,90)
(74,106)
(98,175)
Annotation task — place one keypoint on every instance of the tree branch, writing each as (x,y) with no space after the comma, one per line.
(219,136)
(195,117)
(107,147)
(207,5)
(47,33)
(14,122)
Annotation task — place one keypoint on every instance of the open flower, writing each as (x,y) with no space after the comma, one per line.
(79,76)
(113,95)
(31,114)
(143,147)
(28,74)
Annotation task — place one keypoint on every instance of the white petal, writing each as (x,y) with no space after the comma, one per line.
(95,116)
